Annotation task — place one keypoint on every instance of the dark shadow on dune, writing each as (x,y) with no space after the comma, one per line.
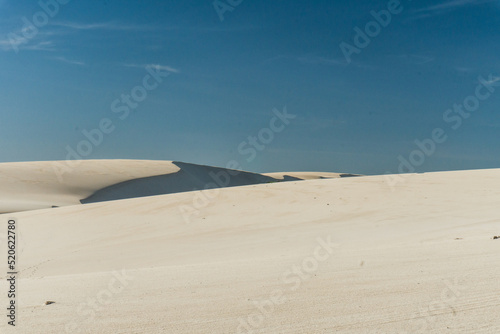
(290,178)
(190,177)
(293,178)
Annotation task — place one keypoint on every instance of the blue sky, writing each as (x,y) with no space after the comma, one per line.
(226,77)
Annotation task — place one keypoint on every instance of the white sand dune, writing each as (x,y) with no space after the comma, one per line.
(348,255)
(38,185)
(189,177)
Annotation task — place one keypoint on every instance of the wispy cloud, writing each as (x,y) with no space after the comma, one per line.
(413,59)
(467,70)
(156,66)
(225,29)
(69,61)
(5,44)
(106,26)
(118,26)
(321,60)
(17,41)
(8,43)
(11,45)
(82,26)
(451,5)
(310,59)
(493,80)
(447,6)
(39,46)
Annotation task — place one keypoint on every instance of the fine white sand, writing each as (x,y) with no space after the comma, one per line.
(344,255)
(37,185)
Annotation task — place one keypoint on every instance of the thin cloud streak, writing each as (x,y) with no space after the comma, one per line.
(448,6)
(107,26)
(68,61)
(5,44)
(321,60)
(16,41)
(413,59)
(40,46)
(493,80)
(8,45)
(309,59)
(156,66)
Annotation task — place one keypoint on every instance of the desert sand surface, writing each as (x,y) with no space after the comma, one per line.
(189,177)
(47,184)
(340,255)
(38,185)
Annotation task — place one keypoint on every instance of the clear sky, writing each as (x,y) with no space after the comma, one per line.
(68,66)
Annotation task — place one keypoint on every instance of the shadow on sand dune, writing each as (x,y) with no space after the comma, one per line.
(190,177)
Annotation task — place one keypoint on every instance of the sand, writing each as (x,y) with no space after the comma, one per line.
(337,255)
(38,185)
